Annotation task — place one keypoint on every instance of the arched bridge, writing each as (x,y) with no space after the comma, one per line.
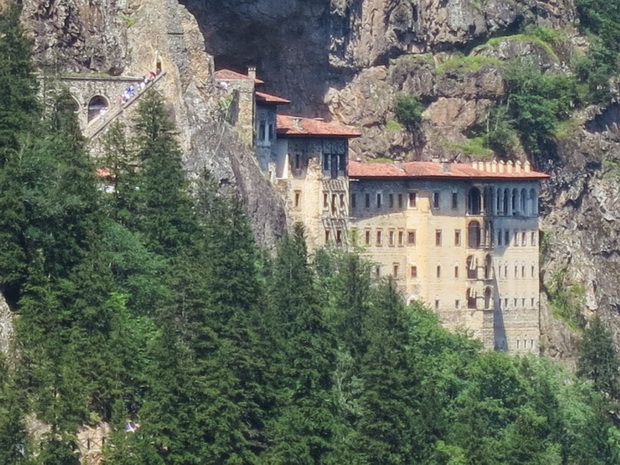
(99,100)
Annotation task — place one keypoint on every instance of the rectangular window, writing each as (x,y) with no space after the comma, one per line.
(391,237)
(438,237)
(378,270)
(298,161)
(456,271)
(325,201)
(401,237)
(395,270)
(326,159)
(533,239)
(367,200)
(516,271)
(523,272)
(341,200)
(297,199)
(261,131)
(353,201)
(411,237)
(367,237)
(457,304)
(414,271)
(515,239)
(437,305)
(457,237)
(271,134)
(334,203)
(378,199)
(532,302)
(326,236)
(455,200)
(499,237)
(506,237)
(391,200)
(533,271)
(338,237)
(523,239)
(400,200)
(435,199)
(439,271)
(379,234)
(413,199)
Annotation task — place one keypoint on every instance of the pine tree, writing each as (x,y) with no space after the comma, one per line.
(390,429)
(303,431)
(19,114)
(598,360)
(163,206)
(14,446)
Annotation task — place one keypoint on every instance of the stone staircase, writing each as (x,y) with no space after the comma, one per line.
(96,126)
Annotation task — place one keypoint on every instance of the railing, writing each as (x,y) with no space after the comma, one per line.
(96,126)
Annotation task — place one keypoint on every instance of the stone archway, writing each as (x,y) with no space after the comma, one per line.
(95,105)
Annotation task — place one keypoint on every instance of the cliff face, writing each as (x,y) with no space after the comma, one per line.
(349,60)
(133,37)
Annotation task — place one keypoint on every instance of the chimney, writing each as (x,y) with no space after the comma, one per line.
(252,72)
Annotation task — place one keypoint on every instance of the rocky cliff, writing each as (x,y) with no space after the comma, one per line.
(349,60)
(133,37)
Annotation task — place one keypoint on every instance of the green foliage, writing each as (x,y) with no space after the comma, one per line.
(537,103)
(393,126)
(600,20)
(473,148)
(566,300)
(409,112)
(467,64)
(598,360)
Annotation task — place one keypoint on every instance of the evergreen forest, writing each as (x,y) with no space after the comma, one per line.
(142,299)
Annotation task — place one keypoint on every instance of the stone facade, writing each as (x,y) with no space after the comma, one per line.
(456,245)
(462,238)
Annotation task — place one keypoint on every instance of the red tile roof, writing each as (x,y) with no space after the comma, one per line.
(263,97)
(230,75)
(295,126)
(429,169)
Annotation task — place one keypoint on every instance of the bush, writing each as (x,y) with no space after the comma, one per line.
(409,112)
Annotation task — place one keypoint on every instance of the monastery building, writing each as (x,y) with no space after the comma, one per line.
(461,237)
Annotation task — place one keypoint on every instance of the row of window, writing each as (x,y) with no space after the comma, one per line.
(470,301)
(507,202)
(472,271)
(402,238)
(397,200)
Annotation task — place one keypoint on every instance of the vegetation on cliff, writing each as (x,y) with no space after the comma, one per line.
(151,305)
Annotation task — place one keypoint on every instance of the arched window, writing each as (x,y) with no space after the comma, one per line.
(471,298)
(473,235)
(515,202)
(95,107)
(474,201)
(488,294)
(487,201)
(533,203)
(523,207)
(472,268)
(488,267)
(506,201)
